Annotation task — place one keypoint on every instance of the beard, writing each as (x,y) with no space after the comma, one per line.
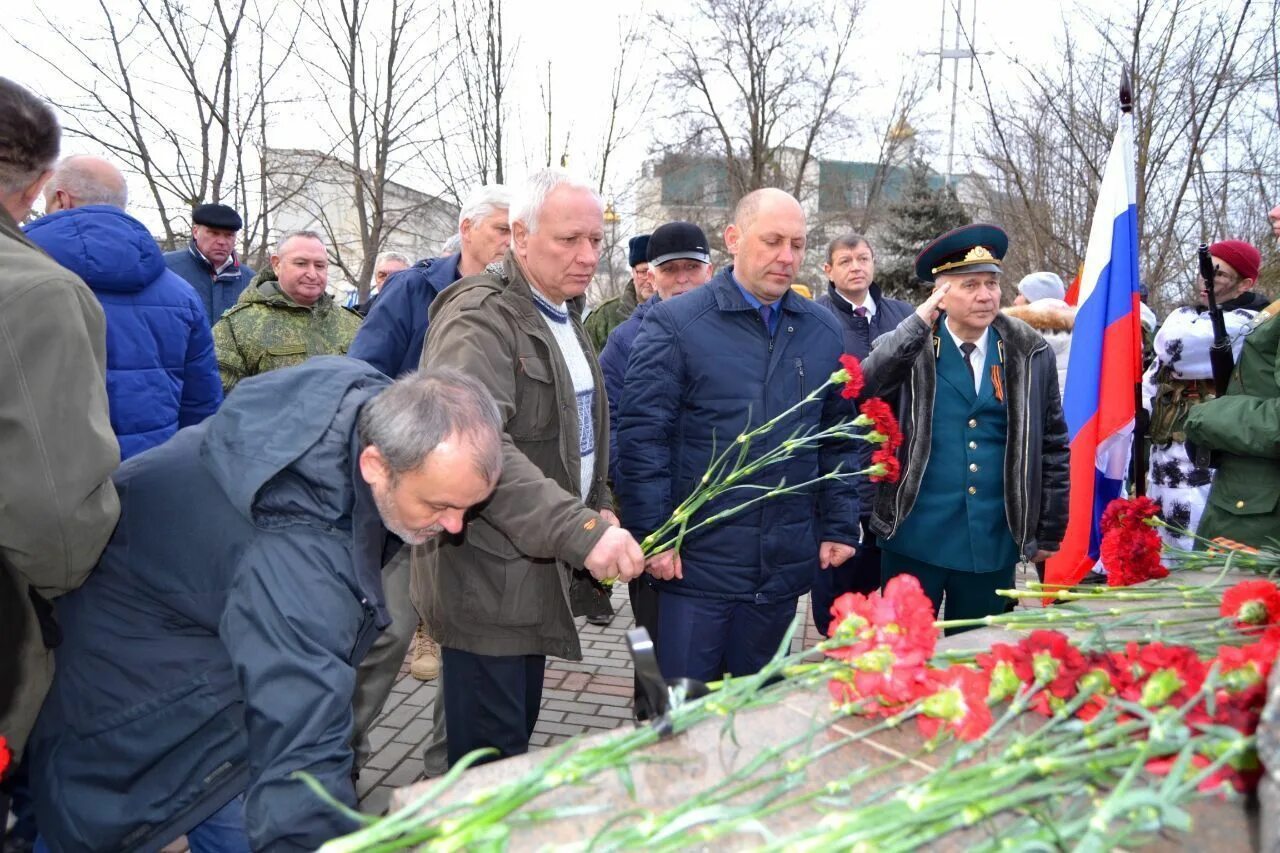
(391,521)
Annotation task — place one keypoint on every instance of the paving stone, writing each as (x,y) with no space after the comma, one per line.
(406,773)
(400,716)
(619,671)
(615,680)
(610,690)
(404,685)
(582,719)
(423,695)
(559,694)
(573,666)
(538,739)
(616,713)
(379,736)
(571,707)
(369,779)
(608,699)
(550,716)
(377,801)
(557,729)
(416,731)
(575,681)
(389,756)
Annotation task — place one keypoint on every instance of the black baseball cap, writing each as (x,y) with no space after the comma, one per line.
(676,241)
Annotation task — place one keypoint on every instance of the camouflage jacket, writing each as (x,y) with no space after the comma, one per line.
(609,315)
(266,330)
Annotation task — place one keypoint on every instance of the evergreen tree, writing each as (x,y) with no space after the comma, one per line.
(920,214)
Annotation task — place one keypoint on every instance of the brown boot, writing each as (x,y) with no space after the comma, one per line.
(426,656)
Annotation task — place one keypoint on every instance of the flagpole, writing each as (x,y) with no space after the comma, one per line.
(1138,458)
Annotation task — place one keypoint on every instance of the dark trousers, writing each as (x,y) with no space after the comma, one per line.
(644,605)
(968,595)
(490,701)
(705,638)
(860,573)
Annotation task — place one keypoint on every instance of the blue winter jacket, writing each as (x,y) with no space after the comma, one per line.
(392,335)
(613,364)
(889,313)
(703,368)
(162,374)
(213,649)
(217,296)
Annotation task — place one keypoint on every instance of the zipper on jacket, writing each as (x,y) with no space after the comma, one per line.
(1026,454)
(800,371)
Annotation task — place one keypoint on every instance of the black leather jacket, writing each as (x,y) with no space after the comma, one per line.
(902,369)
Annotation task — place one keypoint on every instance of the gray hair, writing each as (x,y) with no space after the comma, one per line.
(90,180)
(30,137)
(526,205)
(422,409)
(453,245)
(484,201)
(392,256)
(289,235)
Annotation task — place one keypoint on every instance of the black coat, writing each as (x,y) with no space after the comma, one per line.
(213,650)
(889,313)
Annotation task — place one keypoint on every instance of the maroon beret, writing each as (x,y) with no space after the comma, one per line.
(1243,258)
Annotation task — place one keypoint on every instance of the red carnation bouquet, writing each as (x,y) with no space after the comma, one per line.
(1130,548)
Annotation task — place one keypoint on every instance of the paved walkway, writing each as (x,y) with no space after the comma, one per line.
(587,696)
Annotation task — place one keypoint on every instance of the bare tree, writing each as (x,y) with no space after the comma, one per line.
(749,95)
(167,90)
(1202,74)
(380,63)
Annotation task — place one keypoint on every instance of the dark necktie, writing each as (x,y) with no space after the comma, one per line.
(766,314)
(862,331)
(968,348)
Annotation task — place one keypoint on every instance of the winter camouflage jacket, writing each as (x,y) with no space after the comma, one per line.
(266,330)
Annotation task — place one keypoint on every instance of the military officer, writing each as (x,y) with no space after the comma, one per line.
(284,316)
(983,482)
(1244,427)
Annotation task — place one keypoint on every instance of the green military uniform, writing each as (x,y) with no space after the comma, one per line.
(967,461)
(266,330)
(1244,427)
(609,315)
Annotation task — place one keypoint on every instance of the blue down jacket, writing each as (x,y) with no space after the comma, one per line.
(613,364)
(702,369)
(213,649)
(392,334)
(161,370)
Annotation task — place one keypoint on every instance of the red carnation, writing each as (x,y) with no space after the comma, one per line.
(850,373)
(883,421)
(1241,780)
(5,756)
(1163,675)
(1130,549)
(1254,605)
(892,469)
(1055,665)
(958,703)
(1129,513)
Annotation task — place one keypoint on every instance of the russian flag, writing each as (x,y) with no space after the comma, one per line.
(1105,365)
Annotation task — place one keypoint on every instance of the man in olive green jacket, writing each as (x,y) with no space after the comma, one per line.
(611,313)
(496,599)
(57,450)
(284,316)
(1244,427)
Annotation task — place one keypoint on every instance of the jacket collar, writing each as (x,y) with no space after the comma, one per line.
(9,228)
(520,293)
(843,305)
(442,271)
(729,298)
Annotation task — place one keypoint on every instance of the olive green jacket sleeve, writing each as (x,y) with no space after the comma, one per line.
(232,366)
(1246,421)
(541,518)
(57,449)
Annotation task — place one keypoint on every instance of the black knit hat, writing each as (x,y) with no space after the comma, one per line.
(217,216)
(639,248)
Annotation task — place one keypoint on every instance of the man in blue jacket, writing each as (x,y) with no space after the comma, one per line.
(209,263)
(161,371)
(864,314)
(392,335)
(211,655)
(730,355)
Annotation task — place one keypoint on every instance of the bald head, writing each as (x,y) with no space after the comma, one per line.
(83,180)
(767,240)
(764,201)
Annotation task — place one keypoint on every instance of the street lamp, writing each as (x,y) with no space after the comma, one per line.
(612,218)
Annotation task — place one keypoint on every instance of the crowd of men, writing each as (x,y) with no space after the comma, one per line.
(309,487)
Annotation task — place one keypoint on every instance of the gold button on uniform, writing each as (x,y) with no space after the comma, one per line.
(973,466)
(973,445)
(973,422)
(1239,504)
(973,490)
